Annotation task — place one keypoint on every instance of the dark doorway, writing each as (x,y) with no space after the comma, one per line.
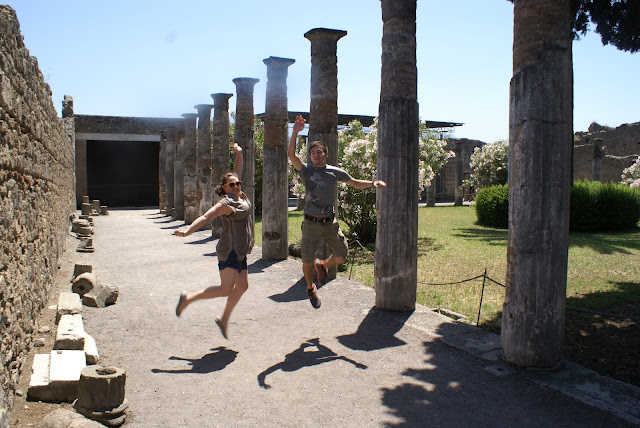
(123,173)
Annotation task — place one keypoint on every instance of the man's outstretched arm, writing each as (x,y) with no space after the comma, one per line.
(298,126)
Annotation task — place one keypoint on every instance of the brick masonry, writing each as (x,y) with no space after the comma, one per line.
(36,199)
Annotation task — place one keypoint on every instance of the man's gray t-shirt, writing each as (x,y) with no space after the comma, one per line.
(320,184)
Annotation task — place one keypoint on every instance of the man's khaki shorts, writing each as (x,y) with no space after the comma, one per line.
(313,233)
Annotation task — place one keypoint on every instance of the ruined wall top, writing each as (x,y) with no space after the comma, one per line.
(125,125)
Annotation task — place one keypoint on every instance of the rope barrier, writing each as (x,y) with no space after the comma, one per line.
(484,277)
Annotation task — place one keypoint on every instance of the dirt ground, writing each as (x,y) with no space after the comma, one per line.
(606,345)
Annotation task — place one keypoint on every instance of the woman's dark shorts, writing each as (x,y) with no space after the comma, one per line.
(233,262)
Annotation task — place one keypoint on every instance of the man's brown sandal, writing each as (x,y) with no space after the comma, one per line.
(313,297)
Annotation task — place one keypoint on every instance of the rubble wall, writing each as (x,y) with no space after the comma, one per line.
(620,146)
(36,199)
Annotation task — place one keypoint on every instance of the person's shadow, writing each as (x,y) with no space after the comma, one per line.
(214,361)
(301,358)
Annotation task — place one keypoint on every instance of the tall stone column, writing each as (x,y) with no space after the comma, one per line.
(540,141)
(396,257)
(191,196)
(275,180)
(162,176)
(323,110)
(178,175)
(170,155)
(204,165)
(220,150)
(458,191)
(243,134)
(596,163)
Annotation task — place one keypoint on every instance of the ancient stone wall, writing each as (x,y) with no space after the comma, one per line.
(36,199)
(620,148)
(447,175)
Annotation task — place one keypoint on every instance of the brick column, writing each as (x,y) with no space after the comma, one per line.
(191,197)
(243,134)
(396,257)
(275,182)
(323,110)
(220,150)
(204,157)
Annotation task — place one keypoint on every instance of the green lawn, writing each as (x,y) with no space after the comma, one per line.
(603,273)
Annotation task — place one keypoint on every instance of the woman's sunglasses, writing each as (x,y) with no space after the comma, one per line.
(233,183)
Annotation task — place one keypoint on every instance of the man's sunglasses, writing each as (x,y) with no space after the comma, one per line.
(233,183)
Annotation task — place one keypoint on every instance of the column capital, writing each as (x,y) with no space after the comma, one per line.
(277,61)
(221,99)
(245,81)
(189,116)
(324,33)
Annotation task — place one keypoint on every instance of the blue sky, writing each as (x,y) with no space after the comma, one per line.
(159,58)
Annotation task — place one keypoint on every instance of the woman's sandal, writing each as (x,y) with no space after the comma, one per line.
(181,300)
(222,329)
(313,296)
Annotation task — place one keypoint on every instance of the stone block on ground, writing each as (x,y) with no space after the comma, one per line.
(55,376)
(63,418)
(101,394)
(64,372)
(68,304)
(85,246)
(84,283)
(70,334)
(91,349)
(100,295)
(79,270)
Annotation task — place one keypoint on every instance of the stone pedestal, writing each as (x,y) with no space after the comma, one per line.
(101,395)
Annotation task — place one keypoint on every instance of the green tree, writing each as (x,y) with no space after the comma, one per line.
(616,21)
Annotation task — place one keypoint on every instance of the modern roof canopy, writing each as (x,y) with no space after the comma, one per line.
(344,119)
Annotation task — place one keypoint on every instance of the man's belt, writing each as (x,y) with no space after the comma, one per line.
(319,219)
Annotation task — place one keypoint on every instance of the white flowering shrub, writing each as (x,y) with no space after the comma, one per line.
(631,175)
(489,165)
(357,154)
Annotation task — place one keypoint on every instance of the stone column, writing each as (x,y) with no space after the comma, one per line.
(191,196)
(220,150)
(458,190)
(431,193)
(275,180)
(596,163)
(170,155)
(243,134)
(178,175)
(204,157)
(540,141)
(162,176)
(396,256)
(323,110)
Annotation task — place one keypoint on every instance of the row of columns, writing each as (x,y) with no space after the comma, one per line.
(537,244)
